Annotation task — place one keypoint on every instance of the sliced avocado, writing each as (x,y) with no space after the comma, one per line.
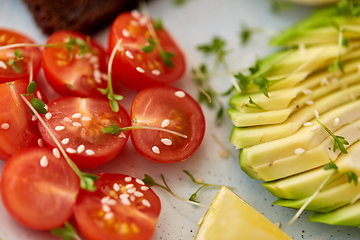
(348,215)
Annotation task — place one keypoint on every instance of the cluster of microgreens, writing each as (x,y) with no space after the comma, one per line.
(192,200)
(14,62)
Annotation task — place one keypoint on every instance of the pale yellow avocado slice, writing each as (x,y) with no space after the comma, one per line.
(231,218)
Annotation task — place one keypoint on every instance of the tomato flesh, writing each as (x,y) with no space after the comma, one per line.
(77,75)
(38,194)
(132,66)
(8,72)
(18,127)
(172,109)
(77,123)
(122,207)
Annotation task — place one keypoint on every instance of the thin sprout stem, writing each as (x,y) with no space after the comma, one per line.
(231,76)
(31,76)
(69,161)
(298,213)
(19,45)
(154,128)
(111,60)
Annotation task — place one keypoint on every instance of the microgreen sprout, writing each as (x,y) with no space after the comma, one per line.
(158,24)
(109,90)
(253,104)
(330,166)
(114,129)
(338,64)
(14,62)
(246,32)
(66,233)
(180,2)
(151,182)
(38,104)
(339,141)
(277,6)
(86,180)
(83,46)
(165,56)
(349,8)
(193,196)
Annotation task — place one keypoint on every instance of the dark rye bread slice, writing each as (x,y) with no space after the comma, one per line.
(87,16)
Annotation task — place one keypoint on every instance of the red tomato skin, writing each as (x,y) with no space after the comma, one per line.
(22,131)
(9,74)
(89,213)
(74,78)
(158,104)
(40,198)
(105,146)
(125,69)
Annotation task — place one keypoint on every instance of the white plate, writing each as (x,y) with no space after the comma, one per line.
(192,24)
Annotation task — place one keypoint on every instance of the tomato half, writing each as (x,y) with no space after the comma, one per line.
(168,108)
(19,68)
(77,123)
(18,127)
(38,189)
(132,66)
(122,207)
(76,75)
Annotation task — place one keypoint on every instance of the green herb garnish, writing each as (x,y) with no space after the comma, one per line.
(38,104)
(339,141)
(14,62)
(66,233)
(253,104)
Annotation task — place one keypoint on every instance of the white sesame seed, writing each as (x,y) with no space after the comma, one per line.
(131,190)
(38,95)
(116,187)
(59,128)
(44,162)
(180,94)
(307,124)
(76,124)
(106,208)
(76,115)
(5,126)
(309,102)
(165,123)
(10,54)
(299,151)
(166,141)
(144,188)
(94,59)
(71,150)
(122,135)
(48,115)
(139,181)
(124,195)
(34,118)
(125,33)
(89,152)
(85,118)
(88,55)
(139,69)
(46,107)
(143,20)
(97,76)
(129,186)
(135,14)
(138,194)
(316,113)
(125,201)
(313,129)
(155,150)
(3,65)
(307,91)
(66,119)
(104,200)
(109,216)
(56,152)
(128,179)
(129,54)
(80,148)
(146,203)
(336,122)
(155,72)
(134,23)
(324,81)
(40,142)
(111,202)
(65,141)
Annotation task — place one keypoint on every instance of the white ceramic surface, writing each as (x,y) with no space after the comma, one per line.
(192,24)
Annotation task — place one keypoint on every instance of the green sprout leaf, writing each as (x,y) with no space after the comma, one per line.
(149,48)
(253,104)
(66,233)
(166,57)
(158,24)
(339,141)
(87,181)
(31,87)
(112,129)
(38,104)
(331,165)
(14,62)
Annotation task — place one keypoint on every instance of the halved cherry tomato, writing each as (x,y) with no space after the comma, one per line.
(38,189)
(132,66)
(77,71)
(77,123)
(18,127)
(168,108)
(15,62)
(122,207)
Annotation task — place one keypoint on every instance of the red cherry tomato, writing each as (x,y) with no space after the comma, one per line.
(76,75)
(122,207)
(168,108)
(132,66)
(15,62)
(18,127)
(38,189)
(77,123)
